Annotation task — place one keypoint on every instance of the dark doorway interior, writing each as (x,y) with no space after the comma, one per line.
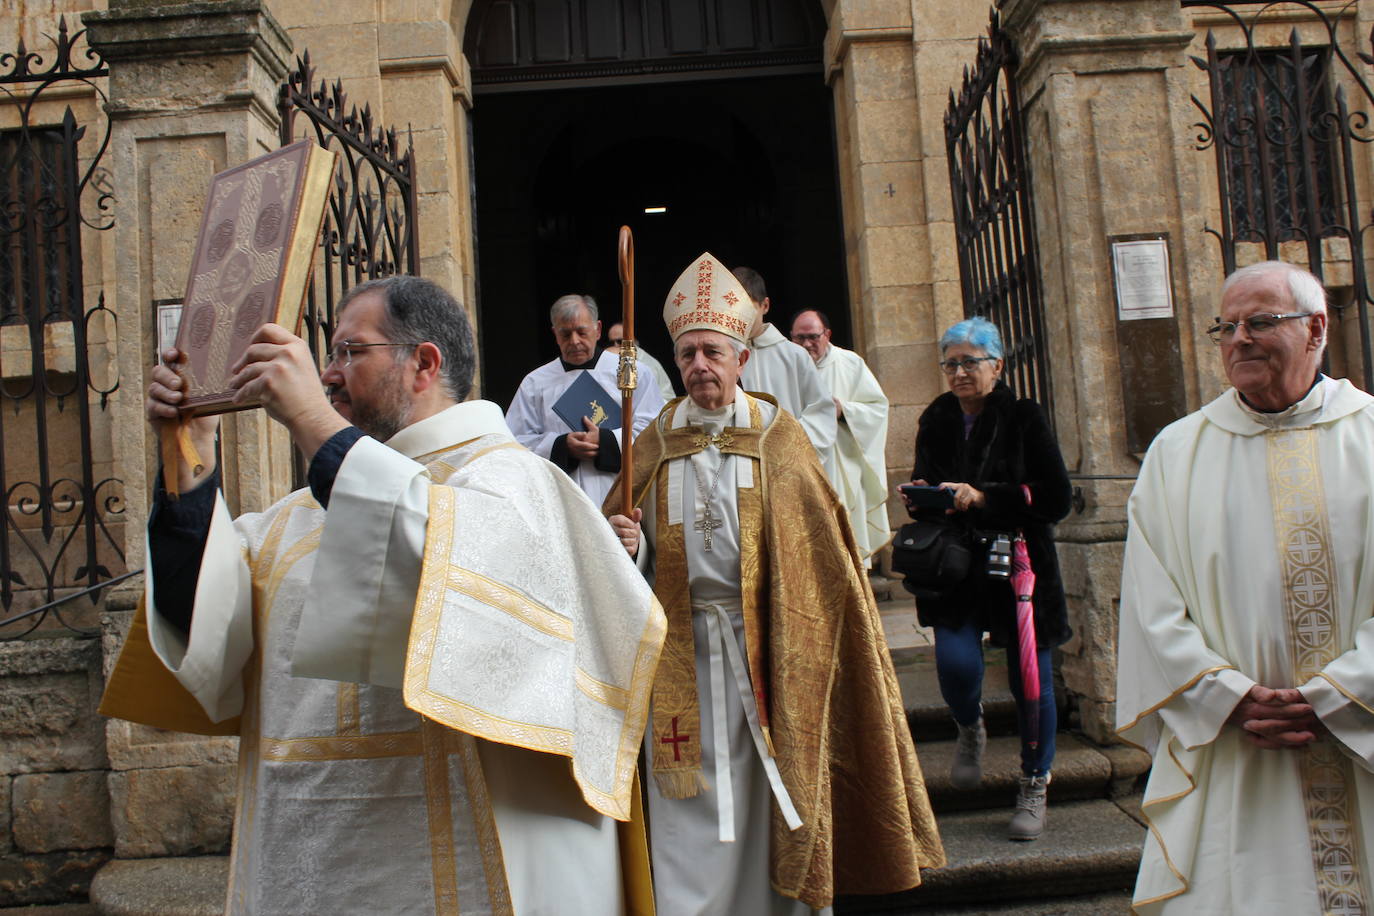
(745,168)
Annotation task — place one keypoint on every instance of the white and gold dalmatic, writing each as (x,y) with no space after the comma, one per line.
(440,684)
(1250,559)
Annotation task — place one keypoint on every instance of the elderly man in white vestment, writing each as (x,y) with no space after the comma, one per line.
(436,656)
(1246,653)
(783,768)
(591,454)
(861,435)
(784,370)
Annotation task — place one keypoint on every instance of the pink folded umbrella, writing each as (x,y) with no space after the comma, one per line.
(1023,583)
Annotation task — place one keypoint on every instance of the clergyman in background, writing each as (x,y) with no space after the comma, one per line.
(589,452)
(861,411)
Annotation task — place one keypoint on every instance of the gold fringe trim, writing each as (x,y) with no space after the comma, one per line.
(679,783)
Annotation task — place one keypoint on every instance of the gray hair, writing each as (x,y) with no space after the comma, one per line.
(1307,291)
(565,308)
(422,310)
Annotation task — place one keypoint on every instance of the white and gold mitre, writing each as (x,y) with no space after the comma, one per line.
(708,297)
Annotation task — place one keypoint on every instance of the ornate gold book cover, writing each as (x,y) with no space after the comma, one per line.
(252,263)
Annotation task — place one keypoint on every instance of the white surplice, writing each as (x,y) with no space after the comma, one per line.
(710,852)
(439,568)
(661,377)
(779,367)
(1250,559)
(535,425)
(860,445)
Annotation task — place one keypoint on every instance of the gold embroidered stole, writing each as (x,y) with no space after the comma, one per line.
(1308,576)
(819,668)
(676,704)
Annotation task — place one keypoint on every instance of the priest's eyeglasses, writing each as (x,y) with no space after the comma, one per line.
(803,338)
(1257,325)
(342,353)
(968,363)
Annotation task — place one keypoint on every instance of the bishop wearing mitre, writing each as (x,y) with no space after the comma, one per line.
(777,739)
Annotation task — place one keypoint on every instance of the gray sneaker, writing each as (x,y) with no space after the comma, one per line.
(967,770)
(1029,820)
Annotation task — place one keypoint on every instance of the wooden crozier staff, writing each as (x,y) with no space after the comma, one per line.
(628,377)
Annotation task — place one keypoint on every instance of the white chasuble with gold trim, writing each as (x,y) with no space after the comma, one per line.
(469,763)
(1250,560)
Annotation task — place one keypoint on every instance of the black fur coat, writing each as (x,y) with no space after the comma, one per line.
(1011,444)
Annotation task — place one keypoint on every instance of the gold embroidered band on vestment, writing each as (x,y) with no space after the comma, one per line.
(677,706)
(1308,577)
(268,573)
(439,809)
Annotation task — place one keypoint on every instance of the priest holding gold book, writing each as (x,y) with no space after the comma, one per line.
(568,410)
(429,722)
(783,771)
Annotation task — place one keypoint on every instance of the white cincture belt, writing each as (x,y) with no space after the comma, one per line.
(721,632)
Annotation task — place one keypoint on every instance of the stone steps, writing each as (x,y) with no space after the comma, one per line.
(191,886)
(926,711)
(1082,770)
(1087,859)
(1089,847)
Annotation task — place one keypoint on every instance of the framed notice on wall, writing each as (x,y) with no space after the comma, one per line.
(1140,275)
(1147,332)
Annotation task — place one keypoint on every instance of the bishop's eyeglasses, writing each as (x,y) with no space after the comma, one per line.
(341,354)
(1257,325)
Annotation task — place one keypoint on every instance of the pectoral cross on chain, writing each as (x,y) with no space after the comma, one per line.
(707,524)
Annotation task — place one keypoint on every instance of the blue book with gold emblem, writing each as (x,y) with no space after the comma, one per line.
(586,398)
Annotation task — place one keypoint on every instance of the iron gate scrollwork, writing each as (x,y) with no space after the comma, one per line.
(56,367)
(994,221)
(370,220)
(1283,131)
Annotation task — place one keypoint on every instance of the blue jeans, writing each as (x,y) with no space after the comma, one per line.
(959,666)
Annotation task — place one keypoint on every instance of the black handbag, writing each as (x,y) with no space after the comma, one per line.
(932,557)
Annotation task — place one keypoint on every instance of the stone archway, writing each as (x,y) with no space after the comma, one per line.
(735,141)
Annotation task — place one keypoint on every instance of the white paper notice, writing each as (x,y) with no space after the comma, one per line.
(1142,279)
(168,318)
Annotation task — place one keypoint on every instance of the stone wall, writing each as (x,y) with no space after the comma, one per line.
(55,827)
(891,65)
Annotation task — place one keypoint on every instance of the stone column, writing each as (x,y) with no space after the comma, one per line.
(1106,101)
(870,67)
(426,91)
(891,65)
(192,91)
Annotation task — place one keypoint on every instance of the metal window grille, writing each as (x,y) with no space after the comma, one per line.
(1283,124)
(56,531)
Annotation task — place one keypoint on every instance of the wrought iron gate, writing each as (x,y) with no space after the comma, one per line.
(1283,123)
(994,220)
(57,369)
(370,221)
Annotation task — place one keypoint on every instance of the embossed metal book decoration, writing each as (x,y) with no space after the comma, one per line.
(252,263)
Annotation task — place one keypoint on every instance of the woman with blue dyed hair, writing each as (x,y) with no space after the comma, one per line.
(998,457)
